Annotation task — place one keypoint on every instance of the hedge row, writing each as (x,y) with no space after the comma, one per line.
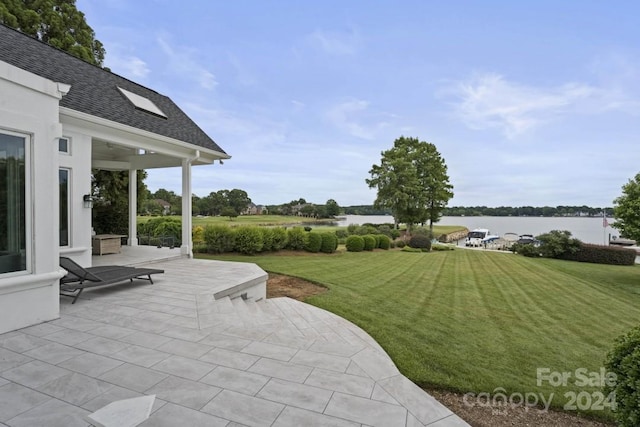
(388,230)
(160,230)
(599,254)
(252,239)
(368,242)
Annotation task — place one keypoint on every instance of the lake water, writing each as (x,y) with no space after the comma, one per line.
(589,230)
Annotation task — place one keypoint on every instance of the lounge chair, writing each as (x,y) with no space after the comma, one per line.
(78,278)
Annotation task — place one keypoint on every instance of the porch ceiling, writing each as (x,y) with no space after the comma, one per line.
(111,156)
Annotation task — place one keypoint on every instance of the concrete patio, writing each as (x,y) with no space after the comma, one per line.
(209,361)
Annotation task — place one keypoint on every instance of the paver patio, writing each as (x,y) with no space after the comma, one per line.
(276,362)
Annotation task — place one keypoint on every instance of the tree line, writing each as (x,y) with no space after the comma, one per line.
(229,203)
(546,211)
(527,211)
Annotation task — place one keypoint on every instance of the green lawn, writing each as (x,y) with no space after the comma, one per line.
(469,320)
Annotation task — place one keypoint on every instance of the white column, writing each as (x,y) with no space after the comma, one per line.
(186,248)
(133,207)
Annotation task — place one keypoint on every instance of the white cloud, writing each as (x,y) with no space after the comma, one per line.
(129,66)
(297,105)
(489,101)
(355,118)
(343,117)
(336,42)
(182,61)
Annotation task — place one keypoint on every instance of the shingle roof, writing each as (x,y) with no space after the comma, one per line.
(95,91)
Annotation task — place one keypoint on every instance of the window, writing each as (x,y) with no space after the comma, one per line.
(63,145)
(142,103)
(13,197)
(63,182)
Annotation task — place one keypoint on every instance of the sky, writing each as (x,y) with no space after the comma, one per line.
(529,102)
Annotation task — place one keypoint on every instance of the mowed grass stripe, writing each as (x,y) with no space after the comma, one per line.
(473,320)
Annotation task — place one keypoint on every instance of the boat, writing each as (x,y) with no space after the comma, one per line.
(622,242)
(526,239)
(511,237)
(479,237)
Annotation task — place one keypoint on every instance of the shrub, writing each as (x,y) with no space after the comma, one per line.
(355,243)
(370,242)
(384,241)
(351,228)
(267,239)
(297,238)
(314,242)
(557,243)
(599,254)
(248,240)
(342,241)
(400,243)
(329,243)
(165,227)
(307,228)
(341,233)
(441,247)
(219,238)
(526,249)
(197,235)
(363,230)
(420,241)
(384,229)
(624,361)
(279,238)
(422,231)
(412,250)
(389,230)
(199,248)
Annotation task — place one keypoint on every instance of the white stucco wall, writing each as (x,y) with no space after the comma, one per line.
(29,105)
(78,161)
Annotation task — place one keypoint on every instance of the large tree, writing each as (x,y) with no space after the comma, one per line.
(55,22)
(238,199)
(60,24)
(412,181)
(218,203)
(332,207)
(626,210)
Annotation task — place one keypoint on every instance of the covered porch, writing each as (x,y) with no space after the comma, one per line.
(132,152)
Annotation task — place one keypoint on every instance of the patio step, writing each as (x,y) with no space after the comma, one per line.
(253,307)
(241,308)
(280,321)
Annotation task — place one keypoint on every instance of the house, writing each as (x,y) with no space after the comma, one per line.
(164,205)
(59,118)
(253,209)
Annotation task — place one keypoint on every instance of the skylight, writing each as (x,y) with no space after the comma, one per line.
(142,103)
